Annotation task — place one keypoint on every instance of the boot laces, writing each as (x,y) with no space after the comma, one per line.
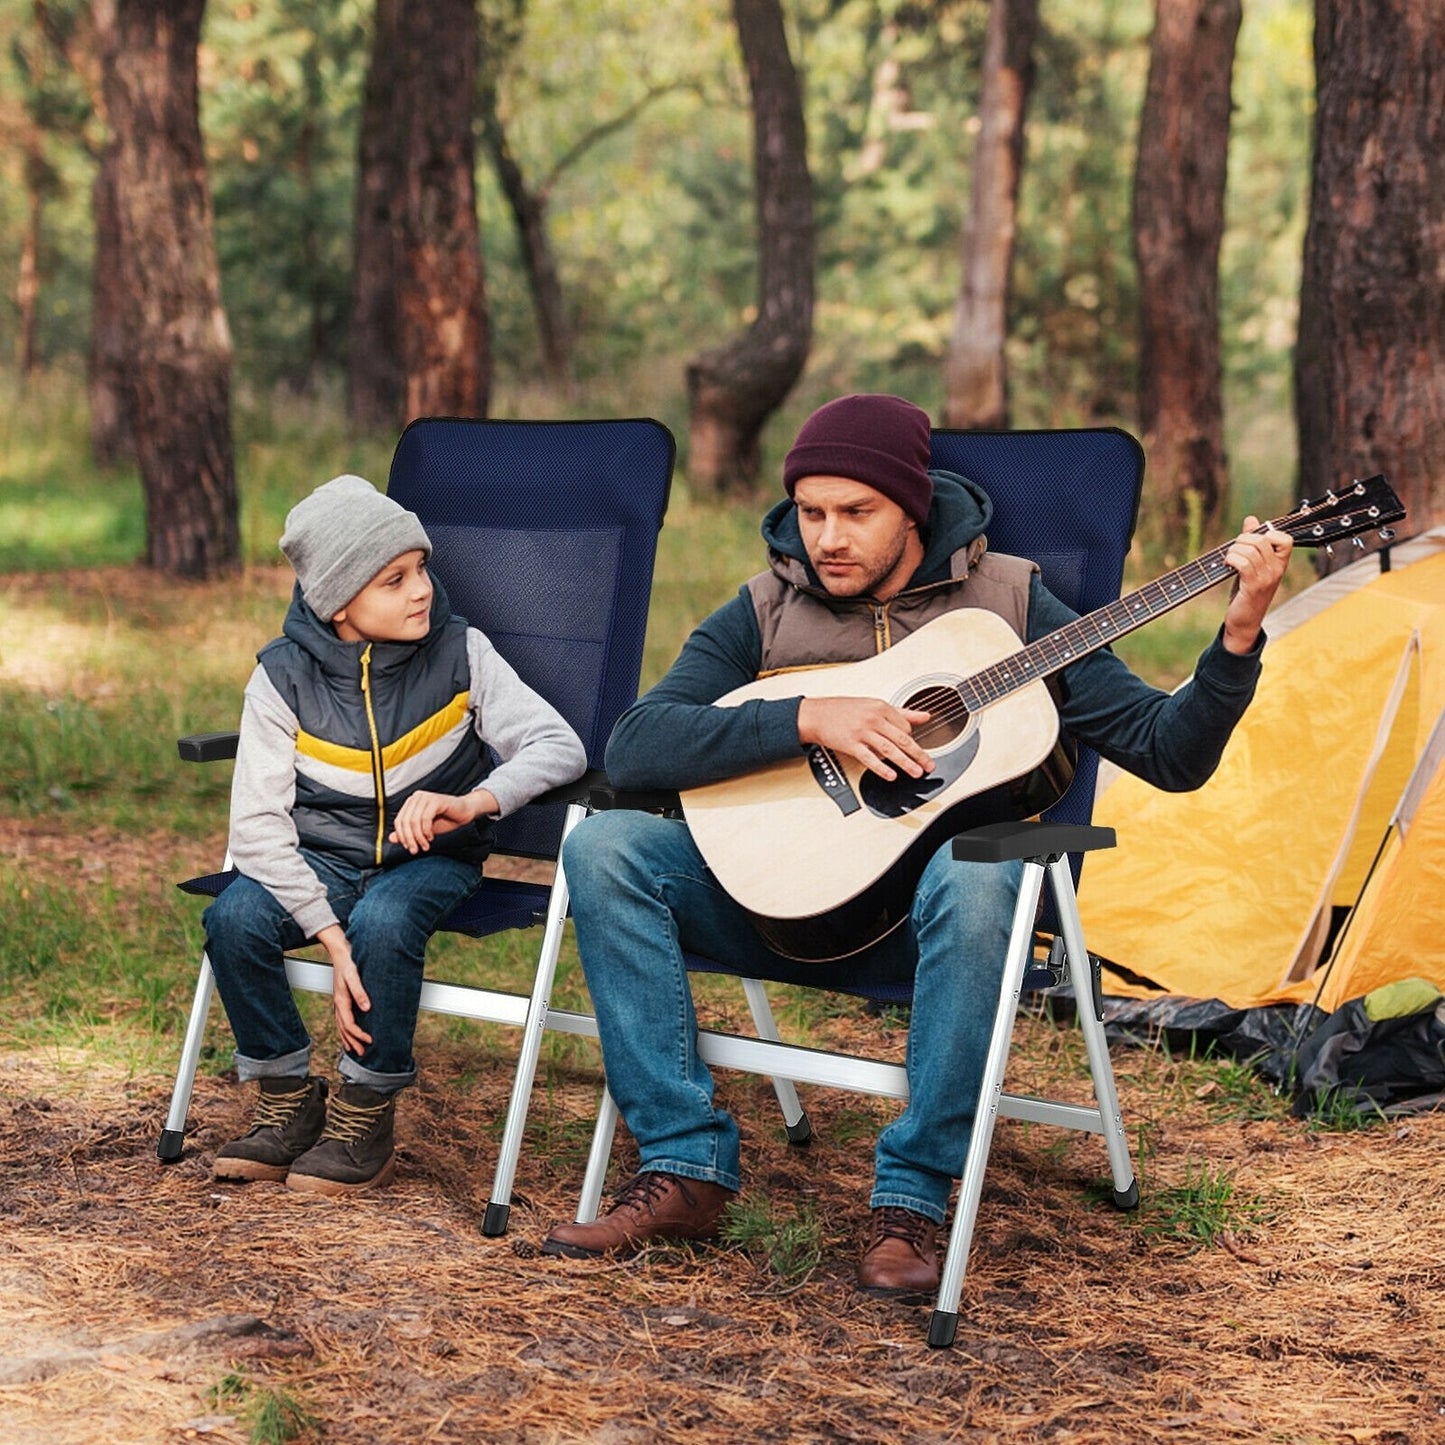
(276,1111)
(894,1222)
(350,1122)
(646,1191)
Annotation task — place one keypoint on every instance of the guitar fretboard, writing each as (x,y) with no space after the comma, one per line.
(1098,629)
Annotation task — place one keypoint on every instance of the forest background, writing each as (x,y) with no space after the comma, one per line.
(629,133)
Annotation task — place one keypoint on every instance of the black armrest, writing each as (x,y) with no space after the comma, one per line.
(995,842)
(207,747)
(606,796)
(579,790)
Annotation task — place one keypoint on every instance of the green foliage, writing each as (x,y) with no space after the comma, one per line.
(272,1416)
(790,1245)
(1207,1204)
(1343,1110)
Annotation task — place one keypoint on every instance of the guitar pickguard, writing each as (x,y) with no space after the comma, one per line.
(905,795)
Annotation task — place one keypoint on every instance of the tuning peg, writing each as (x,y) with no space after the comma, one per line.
(1387,534)
(1358,543)
(1329,549)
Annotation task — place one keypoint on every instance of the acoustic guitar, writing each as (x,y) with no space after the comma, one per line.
(826,855)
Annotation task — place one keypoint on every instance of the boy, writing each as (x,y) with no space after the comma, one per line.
(362,807)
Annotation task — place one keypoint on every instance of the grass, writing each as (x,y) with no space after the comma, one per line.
(790,1245)
(271,1416)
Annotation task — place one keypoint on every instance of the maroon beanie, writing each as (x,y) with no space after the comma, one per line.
(879,440)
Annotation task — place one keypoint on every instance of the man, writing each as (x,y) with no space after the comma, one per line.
(869,547)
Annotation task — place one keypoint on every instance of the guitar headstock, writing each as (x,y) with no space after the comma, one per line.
(1363,506)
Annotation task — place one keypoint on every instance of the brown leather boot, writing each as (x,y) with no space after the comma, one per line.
(290,1115)
(901,1260)
(650,1206)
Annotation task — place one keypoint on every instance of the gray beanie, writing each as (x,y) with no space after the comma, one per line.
(341,536)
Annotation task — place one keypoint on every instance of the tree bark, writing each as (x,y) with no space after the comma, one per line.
(1370,360)
(419,343)
(976,374)
(111,436)
(1178,225)
(734,389)
(375,381)
(179,344)
(27,285)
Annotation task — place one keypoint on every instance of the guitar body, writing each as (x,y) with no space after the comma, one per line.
(835,867)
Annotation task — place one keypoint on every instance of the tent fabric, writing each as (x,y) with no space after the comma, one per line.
(1229,893)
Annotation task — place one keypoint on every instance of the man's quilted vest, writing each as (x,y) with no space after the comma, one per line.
(368,740)
(800,628)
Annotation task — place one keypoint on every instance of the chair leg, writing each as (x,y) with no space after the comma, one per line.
(499,1205)
(795,1118)
(1106,1095)
(944,1321)
(590,1200)
(173,1135)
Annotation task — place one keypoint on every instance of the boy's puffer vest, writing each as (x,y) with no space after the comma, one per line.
(802,627)
(371,738)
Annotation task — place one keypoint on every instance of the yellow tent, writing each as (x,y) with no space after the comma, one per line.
(1329,805)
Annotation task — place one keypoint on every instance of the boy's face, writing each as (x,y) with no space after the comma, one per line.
(395,606)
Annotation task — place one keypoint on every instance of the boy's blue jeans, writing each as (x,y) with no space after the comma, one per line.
(642,896)
(388,915)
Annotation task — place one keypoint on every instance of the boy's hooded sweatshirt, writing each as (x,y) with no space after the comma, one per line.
(674,738)
(335,736)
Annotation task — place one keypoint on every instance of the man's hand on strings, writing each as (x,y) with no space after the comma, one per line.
(874,732)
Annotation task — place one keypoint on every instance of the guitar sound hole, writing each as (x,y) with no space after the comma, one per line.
(949,716)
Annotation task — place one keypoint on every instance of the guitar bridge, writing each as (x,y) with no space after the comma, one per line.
(829,775)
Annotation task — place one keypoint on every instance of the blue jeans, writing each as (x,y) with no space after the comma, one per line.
(642,897)
(388,915)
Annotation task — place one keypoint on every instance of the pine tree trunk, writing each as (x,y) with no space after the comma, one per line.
(419,344)
(111,439)
(735,388)
(976,376)
(1370,361)
(375,382)
(178,342)
(1178,225)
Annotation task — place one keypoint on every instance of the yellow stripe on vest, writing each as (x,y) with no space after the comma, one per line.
(358,760)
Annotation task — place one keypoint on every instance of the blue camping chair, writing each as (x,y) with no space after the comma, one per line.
(544,535)
(1069,501)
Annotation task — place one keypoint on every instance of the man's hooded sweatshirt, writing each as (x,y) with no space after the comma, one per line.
(335,736)
(674,738)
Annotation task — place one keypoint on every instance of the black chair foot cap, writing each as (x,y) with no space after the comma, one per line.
(801,1132)
(494,1221)
(942,1327)
(1127,1198)
(169,1148)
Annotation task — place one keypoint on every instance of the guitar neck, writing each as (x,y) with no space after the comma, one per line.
(1098,629)
(1363,506)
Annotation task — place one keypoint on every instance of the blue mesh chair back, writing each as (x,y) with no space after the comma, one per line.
(1067,500)
(544,535)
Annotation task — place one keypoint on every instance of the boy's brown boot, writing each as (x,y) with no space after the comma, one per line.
(355,1150)
(290,1115)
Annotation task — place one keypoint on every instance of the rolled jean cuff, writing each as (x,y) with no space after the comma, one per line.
(354,1073)
(925,1207)
(698,1172)
(295,1065)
